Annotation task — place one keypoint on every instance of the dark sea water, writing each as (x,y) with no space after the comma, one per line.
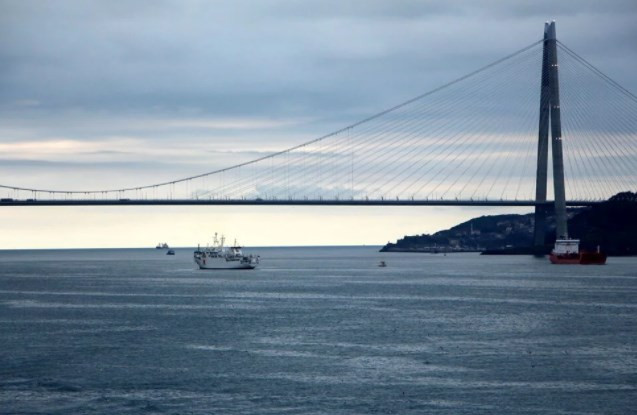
(315,331)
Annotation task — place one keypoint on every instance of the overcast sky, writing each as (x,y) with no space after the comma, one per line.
(109,93)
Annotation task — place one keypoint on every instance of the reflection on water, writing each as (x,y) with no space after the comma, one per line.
(315,330)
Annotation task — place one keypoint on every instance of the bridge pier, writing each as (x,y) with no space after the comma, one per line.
(549,113)
(539,234)
(561,230)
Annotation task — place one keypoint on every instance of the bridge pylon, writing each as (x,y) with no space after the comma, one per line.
(549,115)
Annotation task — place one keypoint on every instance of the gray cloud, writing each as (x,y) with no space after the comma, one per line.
(283,56)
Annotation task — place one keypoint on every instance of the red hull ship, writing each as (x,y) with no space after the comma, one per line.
(567,251)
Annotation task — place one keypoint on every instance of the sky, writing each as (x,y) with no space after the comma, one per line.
(102,94)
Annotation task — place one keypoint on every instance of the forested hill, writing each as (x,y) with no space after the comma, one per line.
(611,224)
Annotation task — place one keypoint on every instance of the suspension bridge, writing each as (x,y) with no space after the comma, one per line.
(481,139)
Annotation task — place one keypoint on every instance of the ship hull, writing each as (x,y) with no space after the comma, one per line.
(221,263)
(216,268)
(563,259)
(584,258)
(592,258)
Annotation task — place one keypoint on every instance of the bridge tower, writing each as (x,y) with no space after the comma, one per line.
(549,114)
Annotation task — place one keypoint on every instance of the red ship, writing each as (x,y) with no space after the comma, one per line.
(567,251)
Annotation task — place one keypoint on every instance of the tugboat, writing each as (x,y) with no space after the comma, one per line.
(220,257)
(170,252)
(566,251)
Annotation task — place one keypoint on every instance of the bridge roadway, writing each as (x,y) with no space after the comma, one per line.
(282,202)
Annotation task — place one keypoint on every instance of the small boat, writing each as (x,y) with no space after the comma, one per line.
(221,257)
(162,245)
(170,252)
(382,264)
(566,251)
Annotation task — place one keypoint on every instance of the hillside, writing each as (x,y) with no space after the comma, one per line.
(612,225)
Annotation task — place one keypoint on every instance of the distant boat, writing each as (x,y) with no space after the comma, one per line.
(162,245)
(221,257)
(382,264)
(170,252)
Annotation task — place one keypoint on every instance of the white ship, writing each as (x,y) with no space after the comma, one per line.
(221,257)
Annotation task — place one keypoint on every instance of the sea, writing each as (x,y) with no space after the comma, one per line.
(315,330)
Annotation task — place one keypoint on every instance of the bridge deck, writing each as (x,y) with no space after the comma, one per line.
(279,202)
